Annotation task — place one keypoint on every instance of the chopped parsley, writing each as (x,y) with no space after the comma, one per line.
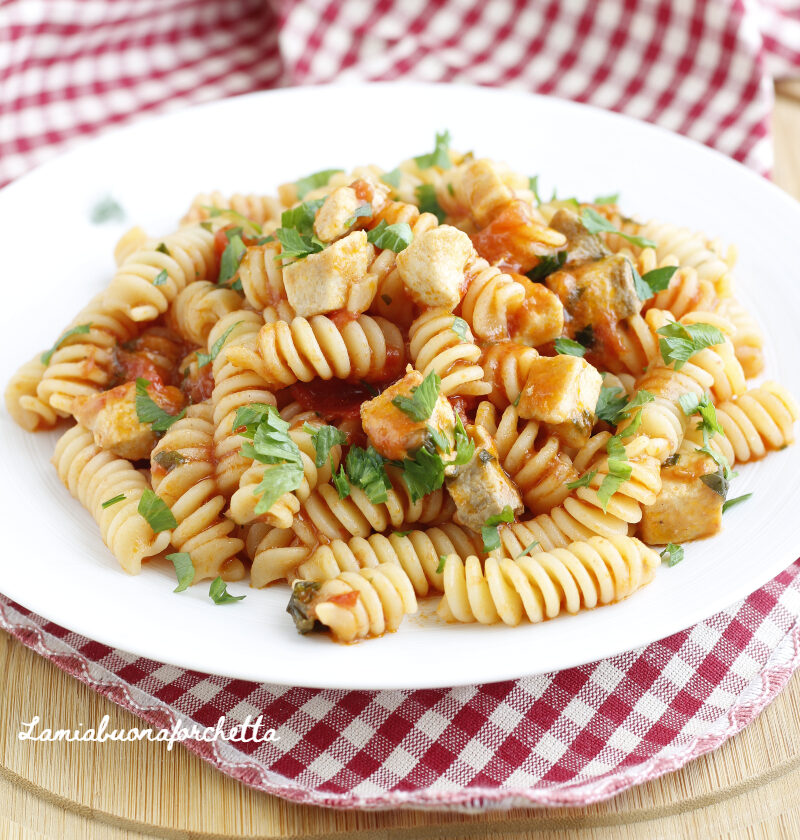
(424,473)
(460,327)
(214,212)
(106,210)
(546,266)
(314,181)
(648,284)
(295,246)
(149,412)
(341,483)
(610,402)
(395,237)
(168,459)
(442,564)
(162,249)
(583,481)
(679,342)
(568,347)
(392,178)
(248,417)
(533,186)
(272,445)
(161,278)
(184,569)
(231,256)
(419,406)
(81,329)
(206,358)
(527,549)
(692,404)
(427,201)
(729,503)
(108,502)
(365,469)
(156,512)
(619,471)
(594,222)
(219,594)
(324,439)
(440,156)
(672,554)
(490,531)
(363,212)
(301,218)
(606,199)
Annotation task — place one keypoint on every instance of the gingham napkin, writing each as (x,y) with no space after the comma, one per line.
(70,69)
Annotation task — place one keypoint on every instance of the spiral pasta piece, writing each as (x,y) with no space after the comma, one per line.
(198,307)
(491,298)
(541,475)
(276,553)
(83,362)
(233,388)
(260,209)
(369,602)
(188,487)
(435,345)
(417,552)
(283,511)
(93,476)
(581,514)
(757,422)
(325,515)
(748,340)
(22,401)
(362,348)
(506,366)
(582,575)
(151,277)
(261,276)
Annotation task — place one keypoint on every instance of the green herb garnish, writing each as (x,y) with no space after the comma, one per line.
(184,569)
(594,222)
(395,237)
(81,329)
(155,510)
(218,592)
(490,531)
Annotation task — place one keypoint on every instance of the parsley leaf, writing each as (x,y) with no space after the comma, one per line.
(341,483)
(423,473)
(168,459)
(594,222)
(301,218)
(609,405)
(731,502)
(206,358)
(272,445)
(154,509)
(439,156)
(533,186)
(248,417)
(184,569)
(672,554)
(162,249)
(442,564)
(219,594)
(419,406)
(364,211)
(231,256)
(149,412)
(214,212)
(717,481)
(490,532)
(294,246)
(546,266)
(427,201)
(365,469)
(619,471)
(584,481)
(161,278)
(647,285)
(606,199)
(692,404)
(108,502)
(315,181)
(395,237)
(680,342)
(465,445)
(106,210)
(460,328)
(392,178)
(324,439)
(527,549)
(81,329)
(568,347)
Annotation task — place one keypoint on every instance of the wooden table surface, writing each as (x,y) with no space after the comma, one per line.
(746,789)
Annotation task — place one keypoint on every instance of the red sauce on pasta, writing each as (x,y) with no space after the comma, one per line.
(347,600)
(334,399)
(198,385)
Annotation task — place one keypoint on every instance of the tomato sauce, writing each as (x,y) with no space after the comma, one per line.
(131,366)
(198,385)
(334,399)
(346,600)
(507,241)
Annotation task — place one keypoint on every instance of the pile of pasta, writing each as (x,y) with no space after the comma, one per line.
(379,386)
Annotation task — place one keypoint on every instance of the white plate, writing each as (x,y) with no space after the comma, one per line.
(53,259)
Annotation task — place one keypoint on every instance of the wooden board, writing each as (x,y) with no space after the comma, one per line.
(746,789)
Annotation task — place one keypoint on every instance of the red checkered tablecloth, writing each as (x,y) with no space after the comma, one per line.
(72,68)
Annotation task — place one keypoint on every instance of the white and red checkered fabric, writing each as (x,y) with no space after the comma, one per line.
(72,68)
